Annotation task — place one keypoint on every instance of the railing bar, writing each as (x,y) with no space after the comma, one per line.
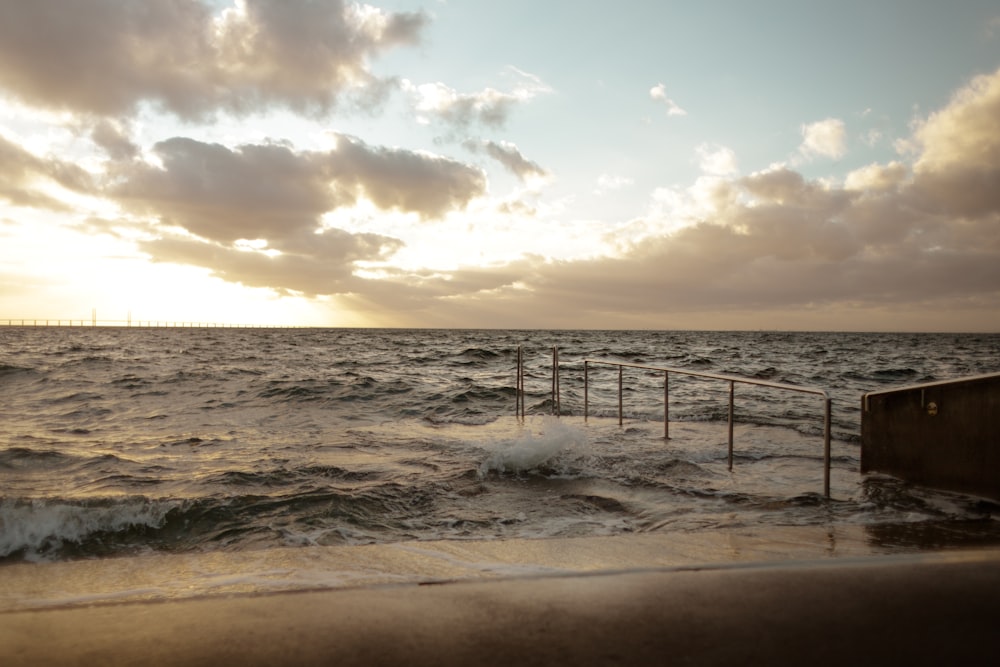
(558,388)
(666,405)
(555,372)
(715,376)
(732,386)
(620,396)
(519,407)
(553,380)
(826,448)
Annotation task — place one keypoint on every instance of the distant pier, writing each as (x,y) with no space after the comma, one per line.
(145,324)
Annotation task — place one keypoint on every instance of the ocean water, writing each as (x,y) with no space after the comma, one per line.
(125,440)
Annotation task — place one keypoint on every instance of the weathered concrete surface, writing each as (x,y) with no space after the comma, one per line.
(943,435)
(926,610)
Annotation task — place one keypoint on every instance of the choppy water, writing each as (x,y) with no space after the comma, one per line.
(126,440)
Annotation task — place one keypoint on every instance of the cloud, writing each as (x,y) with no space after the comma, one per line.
(488,108)
(399,179)
(992,27)
(825,138)
(872,137)
(270,191)
(25,176)
(508,155)
(913,234)
(958,168)
(965,133)
(310,264)
(113,138)
(892,241)
(877,177)
(658,93)
(179,57)
(609,183)
(222,194)
(717,160)
(203,202)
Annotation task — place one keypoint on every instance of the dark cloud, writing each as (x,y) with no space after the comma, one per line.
(106,57)
(310,264)
(113,140)
(404,180)
(273,194)
(221,194)
(269,191)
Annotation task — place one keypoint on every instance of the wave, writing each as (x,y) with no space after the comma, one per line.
(41,529)
(552,448)
(25,458)
(477,354)
(7,369)
(225,439)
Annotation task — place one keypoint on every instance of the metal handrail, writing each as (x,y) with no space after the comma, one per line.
(732,380)
(519,390)
(519,407)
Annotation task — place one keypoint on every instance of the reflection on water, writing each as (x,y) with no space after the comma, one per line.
(919,519)
(934,535)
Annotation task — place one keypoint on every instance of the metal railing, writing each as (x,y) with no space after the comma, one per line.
(556,402)
(733,380)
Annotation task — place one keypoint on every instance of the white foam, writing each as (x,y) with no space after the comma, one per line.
(39,527)
(550,442)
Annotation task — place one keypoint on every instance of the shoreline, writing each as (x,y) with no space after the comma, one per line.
(158,577)
(931,608)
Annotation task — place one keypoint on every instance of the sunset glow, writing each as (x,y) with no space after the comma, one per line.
(515,165)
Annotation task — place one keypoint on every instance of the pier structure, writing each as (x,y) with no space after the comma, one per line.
(730,380)
(941,435)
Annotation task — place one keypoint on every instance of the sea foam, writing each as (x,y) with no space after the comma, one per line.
(40,528)
(550,443)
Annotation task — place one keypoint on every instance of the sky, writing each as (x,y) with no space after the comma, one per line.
(783,165)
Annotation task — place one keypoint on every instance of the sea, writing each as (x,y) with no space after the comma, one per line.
(126,440)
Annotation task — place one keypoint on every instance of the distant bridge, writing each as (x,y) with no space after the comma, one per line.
(52,322)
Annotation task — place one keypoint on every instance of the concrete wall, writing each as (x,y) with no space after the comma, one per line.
(944,435)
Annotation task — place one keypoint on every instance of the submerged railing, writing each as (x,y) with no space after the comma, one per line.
(733,380)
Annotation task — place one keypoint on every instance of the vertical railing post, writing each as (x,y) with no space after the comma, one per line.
(666,405)
(620,396)
(558,388)
(586,389)
(553,390)
(826,448)
(523,396)
(556,407)
(731,392)
(519,380)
